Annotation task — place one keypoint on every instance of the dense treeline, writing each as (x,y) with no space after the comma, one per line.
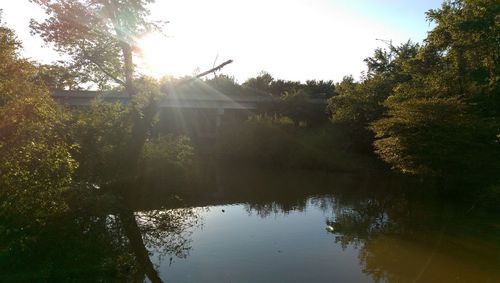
(434,107)
(429,109)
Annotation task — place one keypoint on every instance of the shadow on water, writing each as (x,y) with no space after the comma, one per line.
(401,232)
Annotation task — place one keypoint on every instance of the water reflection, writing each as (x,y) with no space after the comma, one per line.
(247,225)
(165,232)
(102,240)
(409,237)
(402,232)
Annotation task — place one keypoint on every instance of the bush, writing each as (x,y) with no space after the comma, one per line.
(167,160)
(36,166)
(438,137)
(101,132)
(276,142)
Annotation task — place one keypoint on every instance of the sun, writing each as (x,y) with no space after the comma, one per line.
(155,55)
(159,55)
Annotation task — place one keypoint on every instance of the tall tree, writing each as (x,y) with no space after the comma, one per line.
(260,84)
(98,35)
(361,103)
(443,119)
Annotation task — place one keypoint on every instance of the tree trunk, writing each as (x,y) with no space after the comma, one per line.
(142,116)
(128,66)
(137,245)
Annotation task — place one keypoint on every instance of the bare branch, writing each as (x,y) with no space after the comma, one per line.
(215,69)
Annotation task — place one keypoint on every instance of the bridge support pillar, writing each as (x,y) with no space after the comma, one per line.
(218,118)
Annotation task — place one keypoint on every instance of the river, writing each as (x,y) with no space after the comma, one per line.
(261,225)
(299,226)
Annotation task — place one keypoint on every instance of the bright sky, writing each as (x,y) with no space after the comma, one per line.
(291,39)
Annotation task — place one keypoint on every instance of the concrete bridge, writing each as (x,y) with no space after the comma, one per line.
(199,109)
(200,112)
(194,100)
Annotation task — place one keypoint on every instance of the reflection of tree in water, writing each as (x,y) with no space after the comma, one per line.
(88,248)
(264,210)
(402,230)
(288,204)
(91,247)
(165,231)
(408,237)
(358,222)
(168,231)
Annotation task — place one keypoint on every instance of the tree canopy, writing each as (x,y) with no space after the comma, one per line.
(36,165)
(98,35)
(434,108)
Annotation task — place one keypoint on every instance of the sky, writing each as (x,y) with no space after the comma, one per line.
(290,39)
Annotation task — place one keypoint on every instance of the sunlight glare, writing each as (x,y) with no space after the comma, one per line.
(160,55)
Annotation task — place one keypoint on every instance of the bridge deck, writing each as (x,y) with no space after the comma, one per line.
(174,100)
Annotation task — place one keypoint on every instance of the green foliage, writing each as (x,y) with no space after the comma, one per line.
(319,88)
(67,249)
(436,136)
(105,135)
(98,36)
(60,77)
(15,72)
(434,109)
(275,141)
(176,150)
(35,162)
(260,84)
(167,160)
(442,120)
(279,86)
(109,134)
(467,33)
(351,105)
(300,109)
(261,138)
(265,83)
(101,132)
(360,103)
(225,84)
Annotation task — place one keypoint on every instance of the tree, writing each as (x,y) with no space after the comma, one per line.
(225,84)
(319,88)
(296,105)
(442,119)
(467,34)
(279,87)
(36,165)
(260,84)
(347,105)
(58,76)
(361,103)
(98,35)
(433,136)
(102,132)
